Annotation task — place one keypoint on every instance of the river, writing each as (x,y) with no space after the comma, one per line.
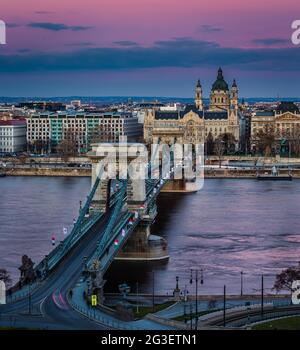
(229,226)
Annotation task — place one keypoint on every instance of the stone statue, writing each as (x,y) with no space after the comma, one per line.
(26,270)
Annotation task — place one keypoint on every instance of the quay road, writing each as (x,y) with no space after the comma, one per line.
(49,306)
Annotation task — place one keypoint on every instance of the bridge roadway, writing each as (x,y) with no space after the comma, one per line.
(50,308)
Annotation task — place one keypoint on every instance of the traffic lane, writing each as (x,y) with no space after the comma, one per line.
(53,281)
(64,317)
(53,303)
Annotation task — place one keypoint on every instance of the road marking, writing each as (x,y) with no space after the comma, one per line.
(41,305)
(59,300)
(63,301)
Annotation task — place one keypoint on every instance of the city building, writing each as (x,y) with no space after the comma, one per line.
(282,125)
(49,129)
(43,106)
(196,123)
(12,135)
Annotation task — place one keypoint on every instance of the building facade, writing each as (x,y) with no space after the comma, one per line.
(12,135)
(196,122)
(50,129)
(283,123)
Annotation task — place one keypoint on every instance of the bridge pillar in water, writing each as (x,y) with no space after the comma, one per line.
(142,245)
(182,186)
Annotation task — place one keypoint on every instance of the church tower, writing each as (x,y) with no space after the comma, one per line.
(219,96)
(234,96)
(199,96)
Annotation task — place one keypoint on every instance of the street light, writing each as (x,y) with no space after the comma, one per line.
(29,298)
(224,306)
(195,272)
(185,294)
(153,305)
(137,297)
(262,295)
(242,283)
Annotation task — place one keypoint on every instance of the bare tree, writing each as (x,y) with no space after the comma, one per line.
(209,144)
(102,133)
(293,139)
(219,149)
(229,142)
(67,146)
(265,140)
(285,278)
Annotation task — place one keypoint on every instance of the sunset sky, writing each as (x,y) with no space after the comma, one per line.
(148,47)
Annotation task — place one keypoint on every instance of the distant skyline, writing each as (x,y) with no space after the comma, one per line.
(148,47)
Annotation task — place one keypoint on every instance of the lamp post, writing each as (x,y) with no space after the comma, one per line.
(153,304)
(224,306)
(195,272)
(184,303)
(137,297)
(29,298)
(242,283)
(262,295)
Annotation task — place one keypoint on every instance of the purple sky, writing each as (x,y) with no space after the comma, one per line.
(148,47)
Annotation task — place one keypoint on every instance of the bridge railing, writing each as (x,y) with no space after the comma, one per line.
(111,224)
(59,253)
(56,255)
(128,230)
(95,315)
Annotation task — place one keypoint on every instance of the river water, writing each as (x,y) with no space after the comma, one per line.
(228,227)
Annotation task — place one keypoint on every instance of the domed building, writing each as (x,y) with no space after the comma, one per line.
(196,122)
(219,96)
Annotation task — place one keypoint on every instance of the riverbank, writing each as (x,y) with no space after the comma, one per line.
(68,172)
(214,173)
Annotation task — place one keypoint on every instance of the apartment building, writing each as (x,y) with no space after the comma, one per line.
(49,129)
(12,135)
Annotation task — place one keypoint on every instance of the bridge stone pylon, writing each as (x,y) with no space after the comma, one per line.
(120,160)
(128,161)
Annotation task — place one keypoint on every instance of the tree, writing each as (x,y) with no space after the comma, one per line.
(219,149)
(102,133)
(209,144)
(67,147)
(293,140)
(265,140)
(286,277)
(229,142)
(5,277)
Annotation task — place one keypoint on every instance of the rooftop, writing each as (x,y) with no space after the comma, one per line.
(13,122)
(287,107)
(209,115)
(220,83)
(81,114)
